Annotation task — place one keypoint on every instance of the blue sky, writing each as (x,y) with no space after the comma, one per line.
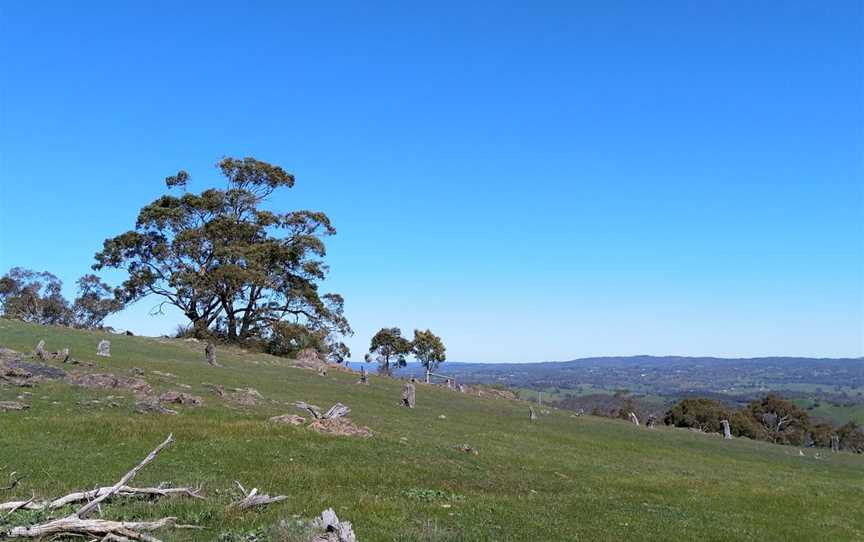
(533,181)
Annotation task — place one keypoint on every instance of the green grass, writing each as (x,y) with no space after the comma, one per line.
(561,478)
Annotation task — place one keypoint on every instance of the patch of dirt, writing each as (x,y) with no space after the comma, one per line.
(12,405)
(152,407)
(246,396)
(217,389)
(180,398)
(288,419)
(340,426)
(106,381)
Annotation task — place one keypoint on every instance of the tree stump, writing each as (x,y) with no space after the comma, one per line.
(531,415)
(210,354)
(409,394)
(40,350)
(104,349)
(727,433)
(634,419)
(364,377)
(651,421)
(835,443)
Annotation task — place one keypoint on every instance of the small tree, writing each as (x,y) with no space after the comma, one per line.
(388,347)
(429,350)
(95,301)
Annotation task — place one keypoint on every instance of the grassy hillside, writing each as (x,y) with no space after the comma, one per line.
(560,478)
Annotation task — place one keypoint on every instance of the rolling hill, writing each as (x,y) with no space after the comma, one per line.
(559,478)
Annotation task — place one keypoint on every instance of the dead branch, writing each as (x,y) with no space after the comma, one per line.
(312,409)
(124,491)
(336,411)
(125,480)
(252,499)
(72,525)
(76,525)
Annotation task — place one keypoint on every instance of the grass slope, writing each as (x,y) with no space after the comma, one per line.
(561,478)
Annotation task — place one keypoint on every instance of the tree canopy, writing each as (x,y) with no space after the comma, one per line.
(429,349)
(388,348)
(234,268)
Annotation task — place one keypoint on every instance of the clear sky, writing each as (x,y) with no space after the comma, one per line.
(533,180)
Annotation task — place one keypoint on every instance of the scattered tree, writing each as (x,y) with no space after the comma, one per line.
(232,267)
(388,348)
(429,349)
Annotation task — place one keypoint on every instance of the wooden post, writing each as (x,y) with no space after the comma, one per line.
(531,414)
(210,353)
(40,350)
(835,443)
(409,394)
(634,419)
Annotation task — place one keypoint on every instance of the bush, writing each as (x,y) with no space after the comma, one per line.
(702,414)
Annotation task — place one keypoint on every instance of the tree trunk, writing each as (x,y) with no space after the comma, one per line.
(727,433)
(409,395)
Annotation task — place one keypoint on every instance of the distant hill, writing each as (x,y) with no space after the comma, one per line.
(830,387)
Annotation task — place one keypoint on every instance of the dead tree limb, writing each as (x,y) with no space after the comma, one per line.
(252,499)
(336,411)
(76,525)
(84,510)
(124,491)
(312,409)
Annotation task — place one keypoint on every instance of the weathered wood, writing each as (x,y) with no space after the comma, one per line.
(336,411)
(252,499)
(79,496)
(409,394)
(84,510)
(210,354)
(72,525)
(727,432)
(634,419)
(650,421)
(364,377)
(104,348)
(75,525)
(334,530)
(835,443)
(40,350)
(531,415)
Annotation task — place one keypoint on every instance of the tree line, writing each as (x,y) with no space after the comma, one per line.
(771,418)
(37,297)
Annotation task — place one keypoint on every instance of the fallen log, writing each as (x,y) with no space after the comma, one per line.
(125,491)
